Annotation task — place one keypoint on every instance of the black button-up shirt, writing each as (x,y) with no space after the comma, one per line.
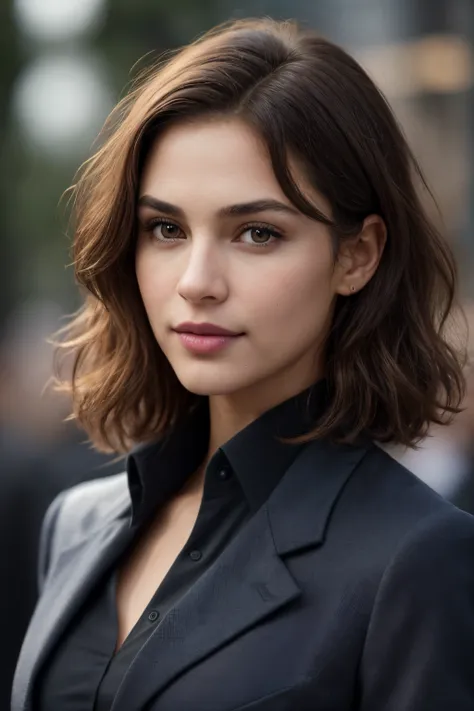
(83,673)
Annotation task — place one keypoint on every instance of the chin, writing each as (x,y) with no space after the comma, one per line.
(211,383)
(212,388)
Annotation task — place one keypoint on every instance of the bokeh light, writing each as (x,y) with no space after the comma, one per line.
(60,102)
(50,20)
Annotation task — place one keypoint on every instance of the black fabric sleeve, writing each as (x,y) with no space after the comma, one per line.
(419,649)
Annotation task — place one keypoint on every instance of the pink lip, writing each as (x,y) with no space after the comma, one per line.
(204,329)
(205,337)
(205,344)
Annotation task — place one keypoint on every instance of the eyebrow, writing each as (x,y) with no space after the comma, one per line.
(243,208)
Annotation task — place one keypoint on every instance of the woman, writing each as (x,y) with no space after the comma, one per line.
(266,301)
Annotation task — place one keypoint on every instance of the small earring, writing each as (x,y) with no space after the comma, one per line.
(353,288)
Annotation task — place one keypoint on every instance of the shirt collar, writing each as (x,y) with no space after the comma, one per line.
(257,453)
(257,456)
(158,470)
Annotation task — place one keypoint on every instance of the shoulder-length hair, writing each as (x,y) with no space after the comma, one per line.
(389,368)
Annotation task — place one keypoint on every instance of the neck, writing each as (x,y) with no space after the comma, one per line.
(231,413)
(227,419)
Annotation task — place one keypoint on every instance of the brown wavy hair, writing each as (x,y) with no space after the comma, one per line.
(390,368)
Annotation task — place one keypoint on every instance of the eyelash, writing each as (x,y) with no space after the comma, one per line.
(156,222)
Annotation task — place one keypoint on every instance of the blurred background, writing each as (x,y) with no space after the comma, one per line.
(63,65)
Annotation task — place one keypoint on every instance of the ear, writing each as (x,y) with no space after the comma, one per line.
(358,257)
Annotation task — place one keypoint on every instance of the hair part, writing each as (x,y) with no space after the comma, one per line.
(390,368)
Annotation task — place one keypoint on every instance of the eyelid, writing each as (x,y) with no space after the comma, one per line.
(265,227)
(274,234)
(149,221)
(153,222)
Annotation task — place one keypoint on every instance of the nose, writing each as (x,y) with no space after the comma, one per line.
(203,277)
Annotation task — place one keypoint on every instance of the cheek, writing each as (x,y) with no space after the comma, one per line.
(153,281)
(292,297)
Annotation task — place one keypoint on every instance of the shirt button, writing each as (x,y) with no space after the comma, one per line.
(224,474)
(195,555)
(153,616)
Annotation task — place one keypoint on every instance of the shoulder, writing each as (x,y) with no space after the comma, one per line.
(92,503)
(422,545)
(434,536)
(427,587)
(395,490)
(440,546)
(434,547)
(397,516)
(102,495)
(76,512)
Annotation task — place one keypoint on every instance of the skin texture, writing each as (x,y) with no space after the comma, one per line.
(204,266)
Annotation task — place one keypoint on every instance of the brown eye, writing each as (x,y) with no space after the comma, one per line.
(166,231)
(259,236)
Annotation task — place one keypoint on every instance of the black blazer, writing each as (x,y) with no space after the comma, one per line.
(30,479)
(352,588)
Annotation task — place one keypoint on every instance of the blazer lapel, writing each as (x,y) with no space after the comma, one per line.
(247,583)
(300,507)
(79,569)
(249,580)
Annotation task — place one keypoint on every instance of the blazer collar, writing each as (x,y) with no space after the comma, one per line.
(250,578)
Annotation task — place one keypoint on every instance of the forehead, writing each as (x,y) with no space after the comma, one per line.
(217,160)
(224,152)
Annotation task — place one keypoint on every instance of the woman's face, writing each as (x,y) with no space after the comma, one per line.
(220,244)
